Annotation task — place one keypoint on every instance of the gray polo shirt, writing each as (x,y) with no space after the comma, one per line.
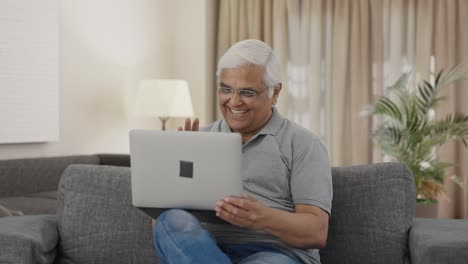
(283,165)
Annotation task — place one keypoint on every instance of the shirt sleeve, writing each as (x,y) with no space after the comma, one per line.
(311,180)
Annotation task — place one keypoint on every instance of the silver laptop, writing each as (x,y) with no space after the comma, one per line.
(188,170)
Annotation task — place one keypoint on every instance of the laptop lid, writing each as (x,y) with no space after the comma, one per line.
(188,170)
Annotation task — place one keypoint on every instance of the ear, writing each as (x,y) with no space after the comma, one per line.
(276,92)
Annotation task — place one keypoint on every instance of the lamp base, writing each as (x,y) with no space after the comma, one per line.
(163,122)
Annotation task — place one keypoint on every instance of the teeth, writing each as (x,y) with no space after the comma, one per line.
(237,112)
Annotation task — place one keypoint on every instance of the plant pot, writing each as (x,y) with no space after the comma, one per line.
(426,210)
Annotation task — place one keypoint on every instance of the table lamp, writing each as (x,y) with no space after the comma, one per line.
(164,99)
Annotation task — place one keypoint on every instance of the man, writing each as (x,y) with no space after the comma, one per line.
(284,217)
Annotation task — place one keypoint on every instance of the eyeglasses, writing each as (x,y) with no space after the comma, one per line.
(243,93)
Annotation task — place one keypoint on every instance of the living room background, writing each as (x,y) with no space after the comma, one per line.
(105,48)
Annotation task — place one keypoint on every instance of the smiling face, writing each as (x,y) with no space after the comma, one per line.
(246,115)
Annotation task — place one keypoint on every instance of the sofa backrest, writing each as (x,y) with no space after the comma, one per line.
(32,175)
(373,210)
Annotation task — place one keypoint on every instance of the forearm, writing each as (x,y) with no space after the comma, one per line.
(307,227)
(301,230)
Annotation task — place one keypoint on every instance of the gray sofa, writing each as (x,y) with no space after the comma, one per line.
(372,222)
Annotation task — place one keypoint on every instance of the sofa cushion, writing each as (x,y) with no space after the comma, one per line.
(97,222)
(439,241)
(28,239)
(373,208)
(30,205)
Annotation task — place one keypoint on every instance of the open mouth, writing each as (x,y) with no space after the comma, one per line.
(238,113)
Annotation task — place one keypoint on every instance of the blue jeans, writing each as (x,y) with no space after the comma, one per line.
(179,238)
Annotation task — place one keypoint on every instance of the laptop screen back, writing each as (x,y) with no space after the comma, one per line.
(188,170)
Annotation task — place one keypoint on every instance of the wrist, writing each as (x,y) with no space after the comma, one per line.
(267,218)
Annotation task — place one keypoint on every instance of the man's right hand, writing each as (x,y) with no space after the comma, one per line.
(189,126)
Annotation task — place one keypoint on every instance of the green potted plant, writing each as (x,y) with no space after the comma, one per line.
(410,133)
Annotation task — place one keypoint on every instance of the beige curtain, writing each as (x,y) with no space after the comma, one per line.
(343,54)
(339,55)
(425,37)
(329,74)
(450,48)
(265,20)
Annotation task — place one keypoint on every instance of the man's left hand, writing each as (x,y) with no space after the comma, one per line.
(243,211)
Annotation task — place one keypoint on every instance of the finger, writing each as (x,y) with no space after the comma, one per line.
(225,215)
(240,202)
(234,210)
(231,218)
(229,207)
(195,125)
(247,209)
(242,218)
(187,124)
(247,206)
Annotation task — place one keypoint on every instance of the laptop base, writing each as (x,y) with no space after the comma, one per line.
(204,216)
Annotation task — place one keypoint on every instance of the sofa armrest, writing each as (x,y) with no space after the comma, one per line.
(95,215)
(438,241)
(28,239)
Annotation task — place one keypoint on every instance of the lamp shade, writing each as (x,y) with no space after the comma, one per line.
(168,98)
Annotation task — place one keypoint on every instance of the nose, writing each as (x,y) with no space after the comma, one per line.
(236,99)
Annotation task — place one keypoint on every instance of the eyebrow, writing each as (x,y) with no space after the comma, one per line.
(246,88)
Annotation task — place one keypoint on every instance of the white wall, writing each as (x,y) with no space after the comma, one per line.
(106,47)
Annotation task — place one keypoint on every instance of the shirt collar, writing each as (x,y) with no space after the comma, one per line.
(271,128)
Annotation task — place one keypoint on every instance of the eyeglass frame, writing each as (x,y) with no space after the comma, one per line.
(239,91)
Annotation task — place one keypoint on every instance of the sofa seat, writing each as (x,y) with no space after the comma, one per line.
(28,239)
(32,204)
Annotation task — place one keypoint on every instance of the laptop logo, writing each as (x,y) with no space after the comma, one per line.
(186,169)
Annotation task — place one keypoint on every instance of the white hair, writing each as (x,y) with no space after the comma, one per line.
(256,52)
